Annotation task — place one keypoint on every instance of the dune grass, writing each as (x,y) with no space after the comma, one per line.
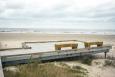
(45,70)
(86,60)
(109,63)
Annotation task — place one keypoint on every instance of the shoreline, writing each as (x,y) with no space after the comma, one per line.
(79,33)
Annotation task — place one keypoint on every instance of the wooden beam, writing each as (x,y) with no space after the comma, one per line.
(1,70)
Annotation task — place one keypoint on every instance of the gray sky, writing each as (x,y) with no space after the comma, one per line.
(80,14)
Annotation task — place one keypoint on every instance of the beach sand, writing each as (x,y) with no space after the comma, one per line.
(12,40)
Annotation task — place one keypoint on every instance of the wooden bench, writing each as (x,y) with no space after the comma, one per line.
(89,44)
(59,46)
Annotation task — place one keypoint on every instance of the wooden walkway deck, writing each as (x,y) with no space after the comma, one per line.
(19,56)
(24,58)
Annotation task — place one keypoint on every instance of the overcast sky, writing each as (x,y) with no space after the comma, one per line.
(79,14)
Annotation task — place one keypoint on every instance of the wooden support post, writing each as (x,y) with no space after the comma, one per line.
(23,45)
(1,70)
(105,54)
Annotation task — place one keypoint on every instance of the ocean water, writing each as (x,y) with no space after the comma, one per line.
(60,31)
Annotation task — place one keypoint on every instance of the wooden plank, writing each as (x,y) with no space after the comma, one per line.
(5,49)
(1,69)
(53,41)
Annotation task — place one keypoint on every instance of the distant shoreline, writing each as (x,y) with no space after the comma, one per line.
(59,31)
(79,33)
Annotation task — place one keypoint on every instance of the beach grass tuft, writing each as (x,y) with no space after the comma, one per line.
(46,70)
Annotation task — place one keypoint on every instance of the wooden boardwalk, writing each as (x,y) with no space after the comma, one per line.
(24,58)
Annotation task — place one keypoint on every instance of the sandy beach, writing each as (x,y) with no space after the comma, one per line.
(15,39)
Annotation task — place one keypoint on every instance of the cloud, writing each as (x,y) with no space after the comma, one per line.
(57,11)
